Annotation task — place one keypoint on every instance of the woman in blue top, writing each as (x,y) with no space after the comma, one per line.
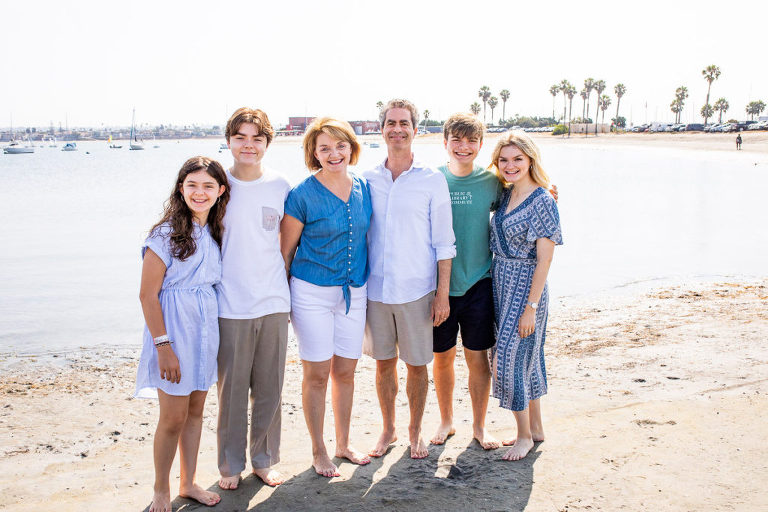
(327,216)
(182,262)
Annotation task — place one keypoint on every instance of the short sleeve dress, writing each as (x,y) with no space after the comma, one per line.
(520,374)
(190,313)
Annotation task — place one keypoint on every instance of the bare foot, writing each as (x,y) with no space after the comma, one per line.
(352,455)
(324,467)
(229,483)
(199,494)
(161,502)
(382,445)
(419,449)
(519,450)
(269,476)
(486,440)
(537,438)
(444,431)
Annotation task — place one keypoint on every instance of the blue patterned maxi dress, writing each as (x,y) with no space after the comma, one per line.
(520,372)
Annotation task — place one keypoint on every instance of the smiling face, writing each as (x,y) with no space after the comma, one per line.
(514,165)
(463,150)
(333,154)
(248,145)
(200,191)
(398,130)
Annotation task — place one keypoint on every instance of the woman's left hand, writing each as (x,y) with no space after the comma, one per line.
(527,323)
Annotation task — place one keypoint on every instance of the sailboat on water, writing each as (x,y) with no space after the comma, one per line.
(135,144)
(112,145)
(15,147)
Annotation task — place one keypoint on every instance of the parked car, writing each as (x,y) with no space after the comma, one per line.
(694,127)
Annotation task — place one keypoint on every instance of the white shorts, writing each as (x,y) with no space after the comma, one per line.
(321,324)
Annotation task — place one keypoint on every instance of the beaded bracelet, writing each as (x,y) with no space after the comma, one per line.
(162,344)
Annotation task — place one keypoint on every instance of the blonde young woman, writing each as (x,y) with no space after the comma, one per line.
(524,231)
(323,241)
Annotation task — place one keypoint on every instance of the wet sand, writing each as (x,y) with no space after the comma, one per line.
(657,400)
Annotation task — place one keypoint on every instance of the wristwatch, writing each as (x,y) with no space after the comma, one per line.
(533,305)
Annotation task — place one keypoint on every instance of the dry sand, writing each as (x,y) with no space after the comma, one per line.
(657,402)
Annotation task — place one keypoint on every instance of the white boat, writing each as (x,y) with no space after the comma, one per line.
(223,147)
(69,146)
(15,148)
(373,145)
(135,144)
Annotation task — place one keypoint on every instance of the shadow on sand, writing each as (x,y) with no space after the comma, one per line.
(475,480)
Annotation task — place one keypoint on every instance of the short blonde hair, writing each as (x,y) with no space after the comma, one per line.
(340,130)
(524,143)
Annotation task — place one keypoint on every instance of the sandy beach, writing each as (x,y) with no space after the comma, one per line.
(657,400)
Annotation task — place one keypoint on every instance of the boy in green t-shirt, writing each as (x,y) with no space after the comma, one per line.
(474,192)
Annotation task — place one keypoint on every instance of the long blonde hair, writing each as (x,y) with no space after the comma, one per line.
(524,143)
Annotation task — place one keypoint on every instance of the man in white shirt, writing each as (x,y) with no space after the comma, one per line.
(410,247)
(254,302)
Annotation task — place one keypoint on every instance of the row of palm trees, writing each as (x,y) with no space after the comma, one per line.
(492,101)
(590,84)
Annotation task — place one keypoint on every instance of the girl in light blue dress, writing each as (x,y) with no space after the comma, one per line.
(182,263)
(524,231)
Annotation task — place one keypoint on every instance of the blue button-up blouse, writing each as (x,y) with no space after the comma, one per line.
(332,249)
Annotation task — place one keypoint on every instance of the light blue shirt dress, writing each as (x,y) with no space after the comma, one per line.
(190,312)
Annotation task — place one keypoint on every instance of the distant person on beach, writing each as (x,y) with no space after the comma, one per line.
(524,231)
(474,192)
(327,217)
(410,247)
(254,303)
(182,263)
(738,141)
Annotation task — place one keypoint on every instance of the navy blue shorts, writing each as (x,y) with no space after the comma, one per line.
(472,313)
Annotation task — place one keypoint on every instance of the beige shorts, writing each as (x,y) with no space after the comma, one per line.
(406,328)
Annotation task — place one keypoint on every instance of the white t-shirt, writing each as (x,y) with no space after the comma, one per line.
(253,282)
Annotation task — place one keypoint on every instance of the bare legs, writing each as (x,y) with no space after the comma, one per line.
(479,390)
(417,383)
(180,423)
(529,430)
(314,386)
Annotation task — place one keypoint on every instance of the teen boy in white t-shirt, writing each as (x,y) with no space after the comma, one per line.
(254,303)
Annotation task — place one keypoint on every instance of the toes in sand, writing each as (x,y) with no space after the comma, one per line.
(444,431)
(419,449)
(199,494)
(269,476)
(229,483)
(383,444)
(486,440)
(324,467)
(353,456)
(519,450)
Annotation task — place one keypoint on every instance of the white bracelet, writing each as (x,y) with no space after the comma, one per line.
(161,339)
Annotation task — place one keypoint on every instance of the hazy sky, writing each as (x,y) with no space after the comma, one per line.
(88,63)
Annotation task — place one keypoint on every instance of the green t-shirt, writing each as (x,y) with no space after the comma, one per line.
(473,197)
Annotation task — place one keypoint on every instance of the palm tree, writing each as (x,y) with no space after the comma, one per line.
(504,95)
(604,102)
(589,84)
(707,111)
(493,101)
(619,90)
(599,86)
(676,107)
(583,95)
(379,105)
(426,116)
(475,108)
(723,106)
(681,93)
(484,93)
(554,91)
(571,92)
(755,108)
(710,73)
(564,86)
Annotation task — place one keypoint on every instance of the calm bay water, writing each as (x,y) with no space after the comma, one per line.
(73,224)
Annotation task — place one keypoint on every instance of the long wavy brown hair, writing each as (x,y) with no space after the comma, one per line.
(179,217)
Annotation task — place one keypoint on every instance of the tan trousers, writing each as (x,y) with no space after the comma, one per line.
(251,357)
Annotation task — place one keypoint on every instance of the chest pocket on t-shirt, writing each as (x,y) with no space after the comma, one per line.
(269,218)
